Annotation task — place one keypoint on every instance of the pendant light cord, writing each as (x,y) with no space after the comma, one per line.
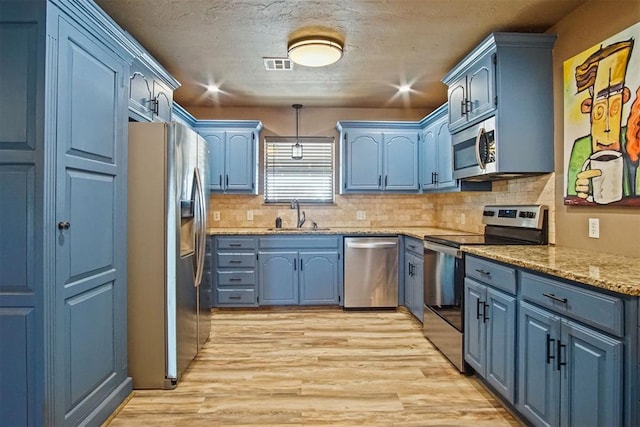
(297,107)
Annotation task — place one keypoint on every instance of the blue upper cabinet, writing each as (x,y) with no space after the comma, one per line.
(233,154)
(436,157)
(401,161)
(150,89)
(364,154)
(379,156)
(509,76)
(471,95)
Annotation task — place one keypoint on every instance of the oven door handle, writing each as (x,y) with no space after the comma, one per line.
(448,250)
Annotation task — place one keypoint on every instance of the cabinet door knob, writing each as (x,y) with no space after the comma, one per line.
(64,225)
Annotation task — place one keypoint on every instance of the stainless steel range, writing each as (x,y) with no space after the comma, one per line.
(444,269)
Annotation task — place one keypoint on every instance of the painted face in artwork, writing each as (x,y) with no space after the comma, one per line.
(608,94)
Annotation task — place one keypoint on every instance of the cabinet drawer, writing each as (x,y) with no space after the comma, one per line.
(413,245)
(236,260)
(316,242)
(593,308)
(236,243)
(236,278)
(496,275)
(236,296)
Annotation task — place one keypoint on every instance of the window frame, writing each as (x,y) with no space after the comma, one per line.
(288,141)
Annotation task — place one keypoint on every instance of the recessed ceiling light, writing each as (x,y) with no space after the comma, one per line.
(213,88)
(404,88)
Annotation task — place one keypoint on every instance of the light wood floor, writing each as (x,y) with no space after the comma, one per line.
(317,367)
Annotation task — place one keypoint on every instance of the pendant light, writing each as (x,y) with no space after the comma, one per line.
(296,149)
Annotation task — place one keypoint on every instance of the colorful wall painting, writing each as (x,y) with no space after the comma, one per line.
(602,123)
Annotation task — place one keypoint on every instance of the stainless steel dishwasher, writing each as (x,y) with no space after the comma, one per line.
(370,272)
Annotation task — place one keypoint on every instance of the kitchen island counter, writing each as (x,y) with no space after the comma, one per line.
(616,273)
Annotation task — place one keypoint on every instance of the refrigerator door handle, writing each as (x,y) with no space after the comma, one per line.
(200,228)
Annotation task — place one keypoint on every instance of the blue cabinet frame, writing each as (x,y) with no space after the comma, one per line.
(300,270)
(379,157)
(63,286)
(233,154)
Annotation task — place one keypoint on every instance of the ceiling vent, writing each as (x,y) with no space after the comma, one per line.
(278,64)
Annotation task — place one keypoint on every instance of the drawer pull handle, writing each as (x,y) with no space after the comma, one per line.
(235,279)
(548,353)
(555,298)
(235,245)
(412,246)
(235,261)
(235,297)
(484,273)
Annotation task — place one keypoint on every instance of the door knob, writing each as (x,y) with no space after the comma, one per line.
(63,225)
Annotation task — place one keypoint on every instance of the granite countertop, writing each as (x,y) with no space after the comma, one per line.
(415,232)
(615,273)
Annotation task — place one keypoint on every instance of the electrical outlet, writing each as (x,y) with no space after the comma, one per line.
(594,228)
(250,215)
(361,215)
(463,219)
(216,215)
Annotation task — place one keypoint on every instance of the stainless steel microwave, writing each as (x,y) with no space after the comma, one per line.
(474,150)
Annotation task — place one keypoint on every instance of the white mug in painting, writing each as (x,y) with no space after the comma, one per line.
(604,168)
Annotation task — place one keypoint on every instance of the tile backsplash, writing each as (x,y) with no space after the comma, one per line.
(460,211)
(386,210)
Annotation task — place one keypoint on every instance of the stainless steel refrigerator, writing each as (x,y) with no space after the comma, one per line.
(167,210)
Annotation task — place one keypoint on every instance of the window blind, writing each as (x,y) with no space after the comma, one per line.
(309,180)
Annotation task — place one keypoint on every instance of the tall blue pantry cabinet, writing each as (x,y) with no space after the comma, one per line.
(64,71)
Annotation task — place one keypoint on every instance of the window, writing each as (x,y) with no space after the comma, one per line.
(309,180)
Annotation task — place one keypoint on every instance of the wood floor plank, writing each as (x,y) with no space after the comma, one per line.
(283,367)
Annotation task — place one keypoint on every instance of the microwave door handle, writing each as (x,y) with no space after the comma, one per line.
(481,163)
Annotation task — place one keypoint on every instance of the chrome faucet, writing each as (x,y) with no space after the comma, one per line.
(296,205)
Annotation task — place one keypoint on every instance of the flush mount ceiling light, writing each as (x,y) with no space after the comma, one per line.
(315,51)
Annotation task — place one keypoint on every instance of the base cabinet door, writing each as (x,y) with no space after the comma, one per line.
(490,336)
(318,277)
(474,335)
(501,340)
(539,382)
(591,376)
(278,278)
(570,375)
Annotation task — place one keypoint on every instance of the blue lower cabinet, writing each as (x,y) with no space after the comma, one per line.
(319,277)
(490,336)
(234,272)
(413,284)
(500,316)
(474,329)
(278,278)
(298,277)
(569,374)
(299,270)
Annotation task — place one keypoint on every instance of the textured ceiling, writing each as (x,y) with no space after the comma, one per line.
(387,43)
